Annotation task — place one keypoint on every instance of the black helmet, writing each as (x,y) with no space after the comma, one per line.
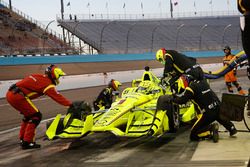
(146,68)
(227,48)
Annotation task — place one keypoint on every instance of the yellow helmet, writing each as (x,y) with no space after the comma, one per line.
(160,55)
(54,73)
(115,84)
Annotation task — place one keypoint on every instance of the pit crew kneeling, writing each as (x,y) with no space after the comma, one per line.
(207,105)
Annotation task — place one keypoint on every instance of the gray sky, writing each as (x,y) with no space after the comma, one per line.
(46,10)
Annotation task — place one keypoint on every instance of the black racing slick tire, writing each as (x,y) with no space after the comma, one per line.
(173,119)
(246,118)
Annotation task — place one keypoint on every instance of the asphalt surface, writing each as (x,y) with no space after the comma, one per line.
(104,149)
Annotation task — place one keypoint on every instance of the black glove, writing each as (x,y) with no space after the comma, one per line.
(72,108)
(165,75)
(86,108)
(164,102)
(115,93)
(172,80)
(164,81)
(79,108)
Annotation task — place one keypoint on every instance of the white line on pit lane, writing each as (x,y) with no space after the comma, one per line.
(16,128)
(45,98)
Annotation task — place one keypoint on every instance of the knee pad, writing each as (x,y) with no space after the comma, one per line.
(36,118)
(26,119)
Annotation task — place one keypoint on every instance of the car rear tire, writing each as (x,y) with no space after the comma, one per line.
(173,118)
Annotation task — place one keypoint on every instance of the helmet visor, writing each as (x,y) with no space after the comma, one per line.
(161,61)
(58,73)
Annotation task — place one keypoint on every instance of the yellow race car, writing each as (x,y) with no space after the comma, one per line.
(134,114)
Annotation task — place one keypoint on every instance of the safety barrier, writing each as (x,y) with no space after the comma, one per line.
(98,79)
(55,59)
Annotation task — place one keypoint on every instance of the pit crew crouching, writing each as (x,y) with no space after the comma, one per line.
(207,104)
(21,94)
(107,95)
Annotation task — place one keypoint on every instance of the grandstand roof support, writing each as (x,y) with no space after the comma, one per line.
(152,37)
(45,34)
(171,8)
(106,25)
(69,38)
(130,28)
(10,4)
(177,35)
(224,31)
(62,17)
(62,10)
(80,46)
(201,30)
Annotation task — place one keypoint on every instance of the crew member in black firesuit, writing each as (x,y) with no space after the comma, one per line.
(106,96)
(207,104)
(244,8)
(177,63)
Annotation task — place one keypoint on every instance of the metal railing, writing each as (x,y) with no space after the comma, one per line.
(100,16)
(32,20)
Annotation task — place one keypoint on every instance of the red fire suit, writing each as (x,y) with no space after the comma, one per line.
(20,95)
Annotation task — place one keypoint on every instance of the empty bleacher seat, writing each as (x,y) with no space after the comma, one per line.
(140,36)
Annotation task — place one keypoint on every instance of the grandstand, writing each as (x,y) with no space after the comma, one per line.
(21,35)
(148,35)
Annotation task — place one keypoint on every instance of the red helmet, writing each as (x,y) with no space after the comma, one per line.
(114,84)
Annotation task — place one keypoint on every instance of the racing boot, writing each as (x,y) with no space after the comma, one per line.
(232,131)
(215,132)
(21,142)
(242,92)
(30,145)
